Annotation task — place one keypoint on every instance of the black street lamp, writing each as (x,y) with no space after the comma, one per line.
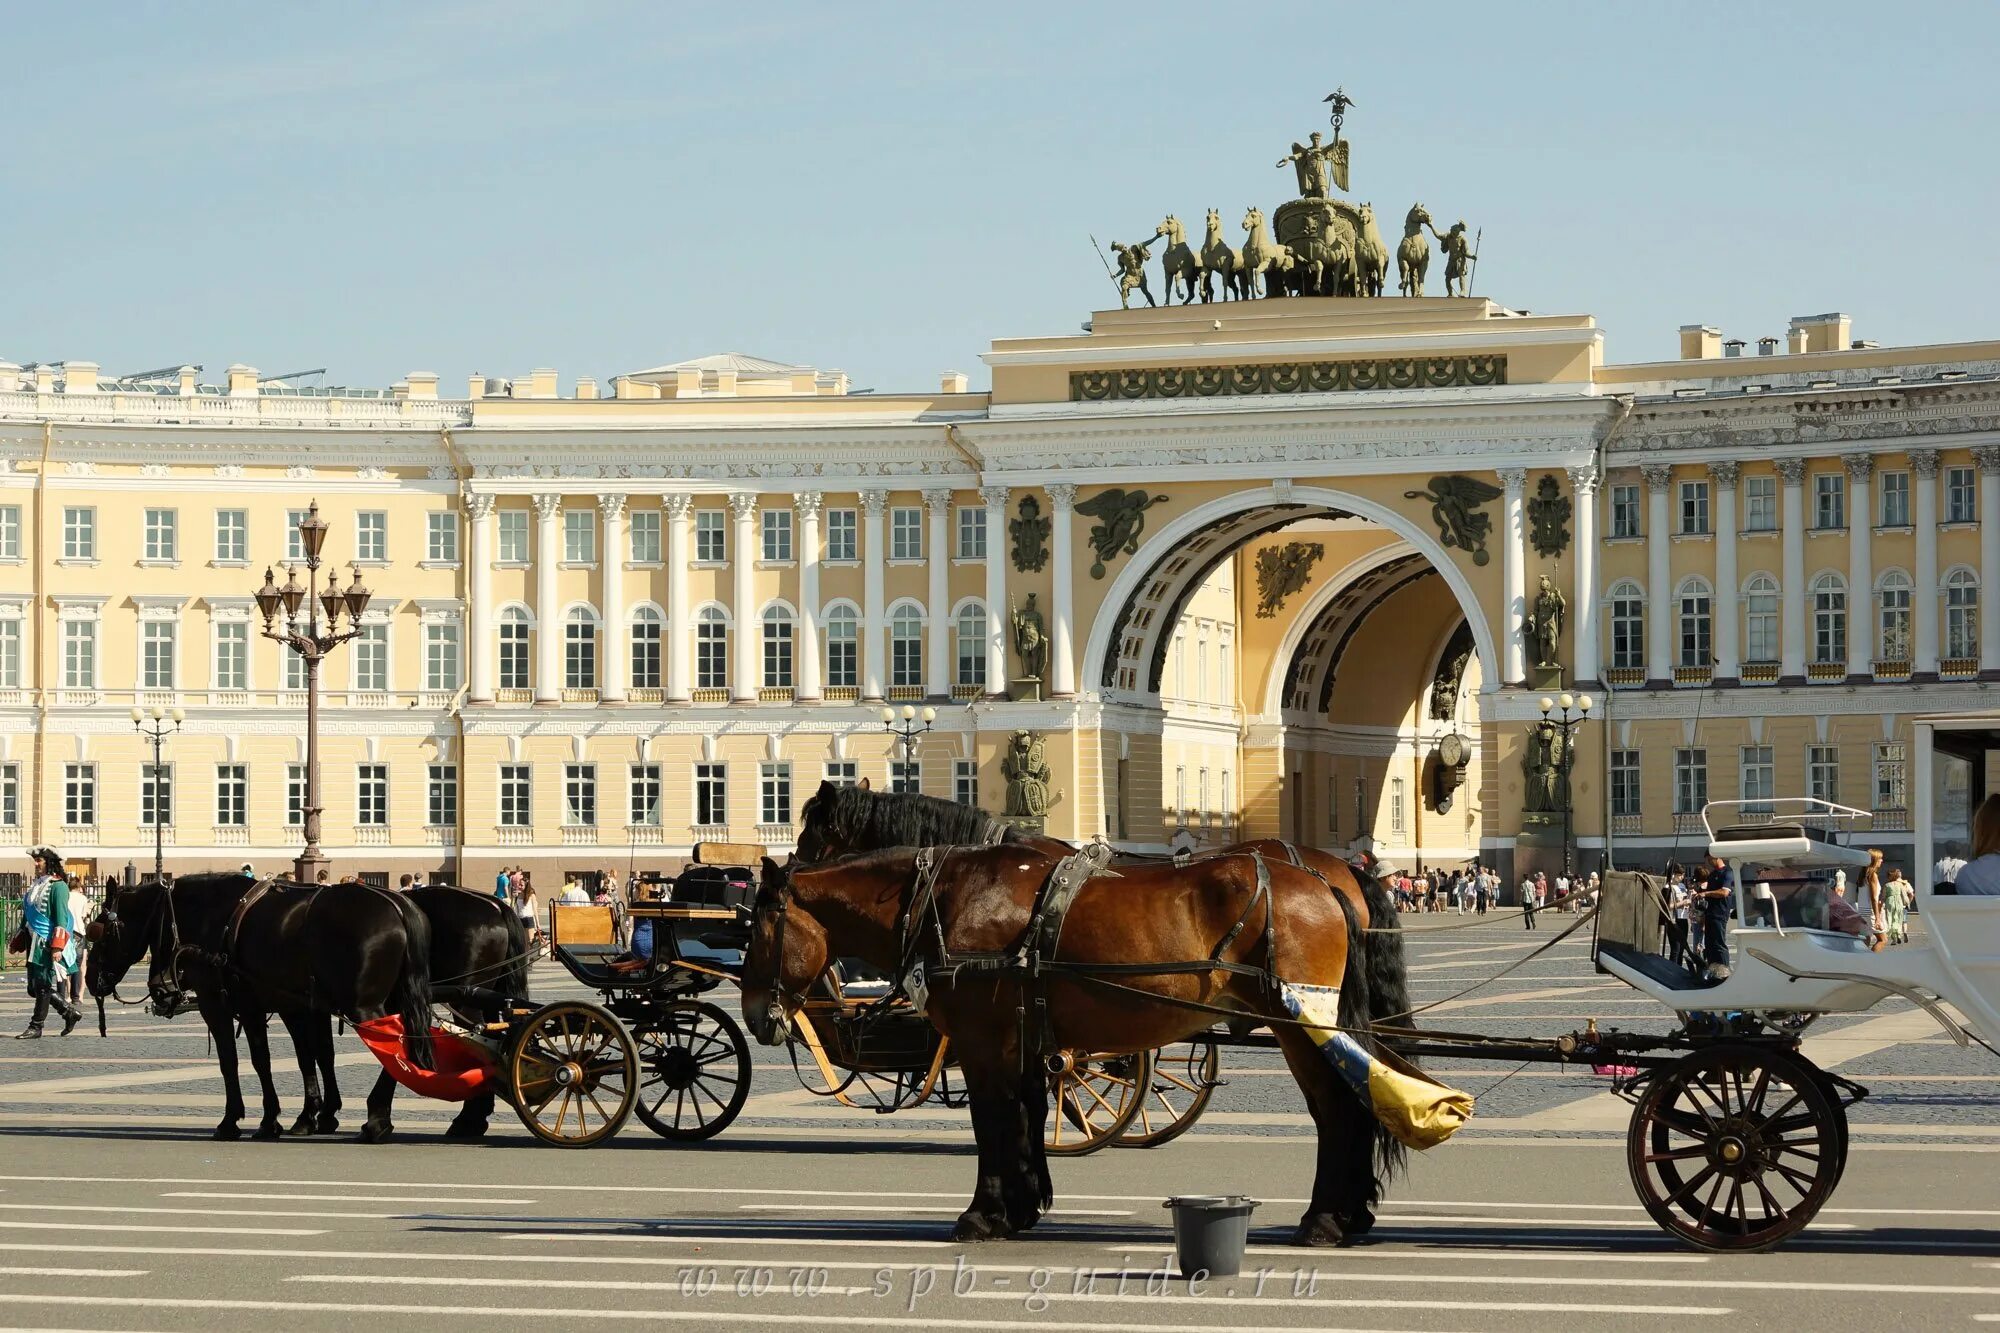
(156,725)
(1566,724)
(909,731)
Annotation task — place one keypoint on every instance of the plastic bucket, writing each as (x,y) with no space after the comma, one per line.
(1210,1231)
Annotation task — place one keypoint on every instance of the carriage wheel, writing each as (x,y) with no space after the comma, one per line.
(1096,1098)
(573,1074)
(1736,1148)
(1185,1077)
(694,1071)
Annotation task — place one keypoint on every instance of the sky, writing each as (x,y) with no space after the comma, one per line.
(378,188)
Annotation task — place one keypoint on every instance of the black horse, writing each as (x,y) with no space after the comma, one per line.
(304,952)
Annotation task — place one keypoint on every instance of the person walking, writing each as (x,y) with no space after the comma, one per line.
(1896,895)
(503,884)
(1527,902)
(48,942)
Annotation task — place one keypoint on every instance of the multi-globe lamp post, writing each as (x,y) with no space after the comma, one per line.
(1566,712)
(908,732)
(155,725)
(304,636)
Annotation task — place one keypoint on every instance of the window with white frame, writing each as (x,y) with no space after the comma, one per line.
(774,794)
(906,777)
(1760,778)
(777,645)
(232,795)
(842,539)
(1625,508)
(371,536)
(1625,783)
(1892,615)
(441,537)
(441,656)
(79,532)
(711,648)
(163,535)
(971,629)
(1760,504)
(965,782)
(842,772)
(579,649)
(1201,795)
(79,795)
(1690,781)
(156,795)
(906,647)
(1823,772)
(10,532)
(514,649)
(579,536)
(580,795)
(1694,507)
(516,796)
(441,796)
(10,796)
(711,795)
(1895,499)
(1829,608)
(906,534)
(843,647)
(10,654)
(1961,496)
(1180,795)
(1222,674)
(158,642)
(711,536)
(643,795)
(1961,614)
(295,545)
(79,654)
(648,626)
(1399,812)
(1829,500)
(369,654)
(511,528)
(1628,626)
(1179,683)
(1760,619)
(1228,811)
(972,532)
(1696,624)
(644,531)
(232,536)
(293,672)
(777,534)
(295,795)
(232,654)
(1892,791)
(371,795)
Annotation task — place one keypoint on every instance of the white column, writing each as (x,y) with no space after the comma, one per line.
(937,651)
(680,630)
(1792,599)
(1513,577)
(617,668)
(1860,569)
(548,614)
(479,614)
(743,566)
(1728,622)
(1062,609)
(874,628)
(1585,594)
(808,505)
(1988,458)
(996,590)
(1659,573)
(1924,597)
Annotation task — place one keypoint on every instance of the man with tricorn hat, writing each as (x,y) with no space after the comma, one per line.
(45,937)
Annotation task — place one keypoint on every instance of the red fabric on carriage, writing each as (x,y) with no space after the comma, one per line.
(464,1068)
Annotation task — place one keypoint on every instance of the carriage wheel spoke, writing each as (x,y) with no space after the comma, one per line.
(1677,1154)
(1771,1208)
(1768,1121)
(1691,1184)
(1800,1181)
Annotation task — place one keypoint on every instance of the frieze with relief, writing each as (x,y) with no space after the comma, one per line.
(1420,372)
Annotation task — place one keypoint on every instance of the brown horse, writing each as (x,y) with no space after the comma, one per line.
(1221,931)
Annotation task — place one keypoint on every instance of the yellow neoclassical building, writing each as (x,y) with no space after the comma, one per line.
(1286,561)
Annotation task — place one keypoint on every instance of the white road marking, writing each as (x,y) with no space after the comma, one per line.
(230,1212)
(73,1272)
(678,1238)
(54,1224)
(1678,1283)
(1361,1303)
(338,1198)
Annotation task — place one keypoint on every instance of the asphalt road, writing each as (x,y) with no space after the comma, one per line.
(119,1213)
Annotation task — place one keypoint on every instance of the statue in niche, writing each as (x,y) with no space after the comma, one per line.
(1031,641)
(1544,624)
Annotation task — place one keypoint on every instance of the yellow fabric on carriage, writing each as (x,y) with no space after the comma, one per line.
(1415,1108)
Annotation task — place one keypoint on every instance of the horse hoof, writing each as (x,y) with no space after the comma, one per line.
(1358,1225)
(326,1124)
(301,1128)
(228,1131)
(376,1132)
(1319,1231)
(976,1226)
(268,1132)
(458,1131)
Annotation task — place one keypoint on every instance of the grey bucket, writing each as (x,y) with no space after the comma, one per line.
(1210,1231)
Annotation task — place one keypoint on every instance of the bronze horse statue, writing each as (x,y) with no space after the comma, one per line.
(1178,263)
(1216,257)
(1413,256)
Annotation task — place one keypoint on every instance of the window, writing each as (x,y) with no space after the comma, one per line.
(711,795)
(972,532)
(1760,504)
(1961,614)
(644,527)
(441,796)
(513,528)
(371,536)
(163,535)
(1180,666)
(10,654)
(1823,772)
(79,533)
(711,537)
(906,777)
(79,795)
(1829,607)
(644,796)
(777,648)
(156,663)
(441,657)
(1760,619)
(1829,500)
(906,534)
(295,546)
(295,795)
(1201,795)
(514,649)
(777,534)
(1697,624)
(843,647)
(79,647)
(579,649)
(1625,783)
(580,795)
(10,796)
(906,647)
(1222,674)
(1228,811)
(371,657)
(711,649)
(1891,781)
(1399,815)
(843,772)
(294,669)
(1628,626)
(774,794)
(1895,499)
(841,527)
(579,537)
(1760,779)
(232,654)
(1625,511)
(1180,794)
(1690,781)
(516,807)
(232,536)
(441,538)
(965,781)
(1694,507)
(1892,615)
(371,795)
(647,624)
(156,795)
(10,532)
(1961,498)
(972,645)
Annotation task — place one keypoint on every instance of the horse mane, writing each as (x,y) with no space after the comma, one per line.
(905,819)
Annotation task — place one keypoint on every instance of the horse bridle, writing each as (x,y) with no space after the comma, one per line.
(775,1011)
(167,999)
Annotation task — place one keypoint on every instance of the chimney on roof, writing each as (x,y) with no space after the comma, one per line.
(1767,346)
(1823,333)
(725,383)
(586,387)
(421,384)
(953,381)
(1734,347)
(242,381)
(79,377)
(187,381)
(541,384)
(1700,342)
(10,377)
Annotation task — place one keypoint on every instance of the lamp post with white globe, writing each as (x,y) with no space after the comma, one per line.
(156,724)
(907,733)
(1566,713)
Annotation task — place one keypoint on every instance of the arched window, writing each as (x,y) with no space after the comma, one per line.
(711,649)
(1829,608)
(1628,626)
(1760,619)
(777,648)
(1961,614)
(579,649)
(843,647)
(1697,624)
(647,624)
(1892,615)
(972,645)
(514,649)
(906,647)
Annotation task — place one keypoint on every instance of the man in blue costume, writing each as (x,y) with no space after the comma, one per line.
(51,949)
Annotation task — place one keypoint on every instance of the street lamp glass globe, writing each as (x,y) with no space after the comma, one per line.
(909,712)
(930,716)
(1568,701)
(158,713)
(1583,703)
(888,717)
(178,716)
(138,715)
(1547,703)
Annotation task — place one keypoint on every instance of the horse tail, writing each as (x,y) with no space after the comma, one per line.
(514,981)
(1382,952)
(412,998)
(1358,1006)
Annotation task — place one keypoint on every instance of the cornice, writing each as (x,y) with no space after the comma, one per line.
(1894,416)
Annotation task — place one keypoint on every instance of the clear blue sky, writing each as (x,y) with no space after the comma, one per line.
(386,187)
